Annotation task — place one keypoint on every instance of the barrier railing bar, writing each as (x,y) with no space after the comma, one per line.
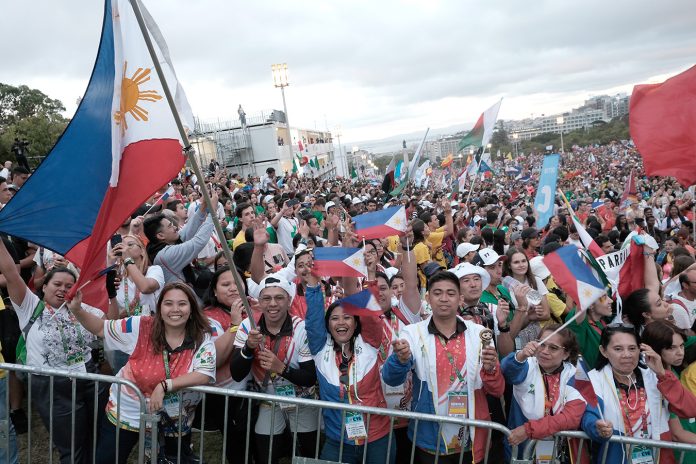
(73,416)
(50,419)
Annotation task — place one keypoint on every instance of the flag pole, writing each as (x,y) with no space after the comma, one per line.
(188,149)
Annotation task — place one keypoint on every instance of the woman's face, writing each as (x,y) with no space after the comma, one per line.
(398,285)
(379,248)
(175,309)
(469,235)
(673,356)
(370,254)
(341,326)
(602,307)
(659,309)
(228,205)
(670,246)
(56,289)
(271,209)
(518,264)
(552,353)
(303,266)
(554,222)
(622,352)
(674,211)
(225,290)
(132,248)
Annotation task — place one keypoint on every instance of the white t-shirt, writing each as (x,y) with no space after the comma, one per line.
(146,304)
(56,339)
(287,228)
(687,309)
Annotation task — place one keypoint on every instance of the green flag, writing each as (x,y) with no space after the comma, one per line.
(353,174)
(316,163)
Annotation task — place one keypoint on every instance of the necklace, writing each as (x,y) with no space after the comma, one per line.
(631,383)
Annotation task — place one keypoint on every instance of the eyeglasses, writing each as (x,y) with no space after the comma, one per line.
(550,347)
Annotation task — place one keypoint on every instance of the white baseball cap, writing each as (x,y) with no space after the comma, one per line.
(275,280)
(464,249)
(539,269)
(329,204)
(464,269)
(487,257)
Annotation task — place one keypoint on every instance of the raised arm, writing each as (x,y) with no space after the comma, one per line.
(257,267)
(16,287)
(449,223)
(409,269)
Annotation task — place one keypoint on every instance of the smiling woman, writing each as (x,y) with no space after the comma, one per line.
(169,351)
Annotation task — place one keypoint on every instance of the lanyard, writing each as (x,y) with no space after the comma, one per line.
(642,400)
(550,394)
(597,326)
(450,358)
(81,344)
(132,307)
(165,358)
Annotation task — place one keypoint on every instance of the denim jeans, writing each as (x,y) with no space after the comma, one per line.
(376,451)
(7,455)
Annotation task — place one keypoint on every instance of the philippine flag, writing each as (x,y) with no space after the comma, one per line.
(361,304)
(583,384)
(339,262)
(574,276)
(121,146)
(379,224)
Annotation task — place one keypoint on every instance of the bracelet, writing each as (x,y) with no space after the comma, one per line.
(502,329)
(648,254)
(163,384)
(285,371)
(233,329)
(170,385)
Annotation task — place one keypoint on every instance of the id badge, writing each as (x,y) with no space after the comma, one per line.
(641,455)
(457,404)
(76,362)
(287,391)
(544,452)
(355,426)
(171,404)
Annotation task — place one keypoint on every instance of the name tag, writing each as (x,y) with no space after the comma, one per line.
(76,362)
(287,391)
(544,452)
(457,404)
(641,455)
(171,404)
(397,391)
(355,426)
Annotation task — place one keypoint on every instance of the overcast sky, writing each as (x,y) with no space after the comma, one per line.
(376,68)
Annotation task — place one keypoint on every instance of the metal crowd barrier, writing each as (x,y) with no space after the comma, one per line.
(98,379)
(528,456)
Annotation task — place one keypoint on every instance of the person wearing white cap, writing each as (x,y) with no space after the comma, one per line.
(276,353)
(466,252)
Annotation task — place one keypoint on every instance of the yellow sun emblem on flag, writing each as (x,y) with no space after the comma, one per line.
(131,96)
(356,261)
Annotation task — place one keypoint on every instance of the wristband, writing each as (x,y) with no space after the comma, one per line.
(170,385)
(233,329)
(505,329)
(241,352)
(163,384)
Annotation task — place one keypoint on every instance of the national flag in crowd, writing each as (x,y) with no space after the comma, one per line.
(413,165)
(122,144)
(388,183)
(339,262)
(379,224)
(353,174)
(662,126)
(630,193)
(574,276)
(447,161)
(165,196)
(363,303)
(300,146)
(583,384)
(481,133)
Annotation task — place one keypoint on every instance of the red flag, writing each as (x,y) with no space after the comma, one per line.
(630,194)
(632,271)
(662,121)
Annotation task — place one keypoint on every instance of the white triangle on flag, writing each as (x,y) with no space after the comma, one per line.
(398,220)
(357,262)
(588,294)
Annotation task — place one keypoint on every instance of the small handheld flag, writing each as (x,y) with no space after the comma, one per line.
(361,304)
(378,224)
(574,276)
(583,384)
(339,262)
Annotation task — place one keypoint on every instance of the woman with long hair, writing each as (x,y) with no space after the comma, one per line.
(348,362)
(169,351)
(635,401)
(54,339)
(138,291)
(547,371)
(517,266)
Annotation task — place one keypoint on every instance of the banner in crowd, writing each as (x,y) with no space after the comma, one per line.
(543,203)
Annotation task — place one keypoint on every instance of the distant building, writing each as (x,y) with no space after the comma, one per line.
(265,143)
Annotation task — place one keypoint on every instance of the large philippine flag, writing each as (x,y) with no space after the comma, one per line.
(339,262)
(120,147)
(380,224)
(361,304)
(574,276)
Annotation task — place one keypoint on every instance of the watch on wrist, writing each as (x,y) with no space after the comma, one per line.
(128,261)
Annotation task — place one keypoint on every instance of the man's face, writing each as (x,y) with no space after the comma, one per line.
(167,232)
(275,303)
(181,212)
(178,188)
(19,179)
(443,297)
(247,217)
(495,271)
(5,193)
(471,288)
(607,247)
(314,226)
(372,206)
(384,294)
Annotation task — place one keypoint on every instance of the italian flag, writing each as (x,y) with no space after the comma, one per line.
(482,132)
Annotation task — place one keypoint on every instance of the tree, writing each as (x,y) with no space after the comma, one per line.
(29,114)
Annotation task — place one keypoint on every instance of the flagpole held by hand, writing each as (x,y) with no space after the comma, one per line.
(188,149)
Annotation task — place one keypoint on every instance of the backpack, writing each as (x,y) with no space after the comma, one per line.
(21,350)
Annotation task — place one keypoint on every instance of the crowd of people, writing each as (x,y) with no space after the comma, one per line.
(470,323)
